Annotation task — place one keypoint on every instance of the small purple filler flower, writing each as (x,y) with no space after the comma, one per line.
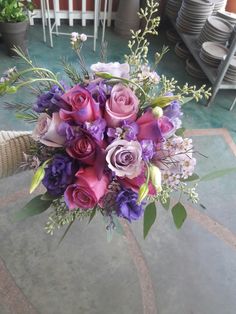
(96,128)
(50,101)
(127,205)
(59,174)
(99,91)
(147,149)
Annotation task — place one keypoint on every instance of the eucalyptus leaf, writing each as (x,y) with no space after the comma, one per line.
(217,174)
(48,197)
(35,207)
(149,218)
(179,214)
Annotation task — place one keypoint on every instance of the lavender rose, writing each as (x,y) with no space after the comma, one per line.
(127,205)
(122,105)
(113,68)
(125,158)
(46,130)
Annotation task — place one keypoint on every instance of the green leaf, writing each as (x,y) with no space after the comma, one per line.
(38,176)
(217,174)
(186,100)
(92,215)
(179,214)
(193,177)
(166,205)
(180,132)
(149,218)
(35,207)
(48,197)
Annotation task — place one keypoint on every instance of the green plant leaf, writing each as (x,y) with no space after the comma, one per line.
(217,174)
(48,197)
(166,205)
(38,176)
(92,215)
(35,207)
(186,100)
(180,132)
(179,214)
(193,177)
(149,218)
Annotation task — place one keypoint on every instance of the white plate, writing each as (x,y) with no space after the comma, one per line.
(216,50)
(220,24)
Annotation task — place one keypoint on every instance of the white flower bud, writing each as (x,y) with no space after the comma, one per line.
(83,37)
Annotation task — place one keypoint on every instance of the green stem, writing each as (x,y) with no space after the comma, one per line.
(40,80)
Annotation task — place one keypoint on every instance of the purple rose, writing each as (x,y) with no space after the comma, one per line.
(125,158)
(59,174)
(127,205)
(50,101)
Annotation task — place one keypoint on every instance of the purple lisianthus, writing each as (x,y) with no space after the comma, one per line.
(59,174)
(96,128)
(127,205)
(50,101)
(99,91)
(147,149)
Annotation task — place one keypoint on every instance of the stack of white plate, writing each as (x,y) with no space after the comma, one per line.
(192,15)
(194,70)
(172,8)
(228,16)
(172,36)
(230,75)
(215,29)
(213,53)
(219,5)
(182,51)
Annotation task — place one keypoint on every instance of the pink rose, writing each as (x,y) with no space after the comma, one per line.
(82,106)
(122,105)
(124,158)
(149,128)
(135,183)
(88,151)
(87,190)
(113,68)
(46,130)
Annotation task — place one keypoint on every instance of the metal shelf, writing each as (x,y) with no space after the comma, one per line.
(214,75)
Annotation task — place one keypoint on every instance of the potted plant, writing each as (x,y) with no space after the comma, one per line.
(14,23)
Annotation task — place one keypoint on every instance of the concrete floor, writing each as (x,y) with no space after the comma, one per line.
(190,271)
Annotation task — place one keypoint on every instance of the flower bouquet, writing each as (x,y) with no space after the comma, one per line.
(109,141)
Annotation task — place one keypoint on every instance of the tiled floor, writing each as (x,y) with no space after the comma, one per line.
(191,271)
